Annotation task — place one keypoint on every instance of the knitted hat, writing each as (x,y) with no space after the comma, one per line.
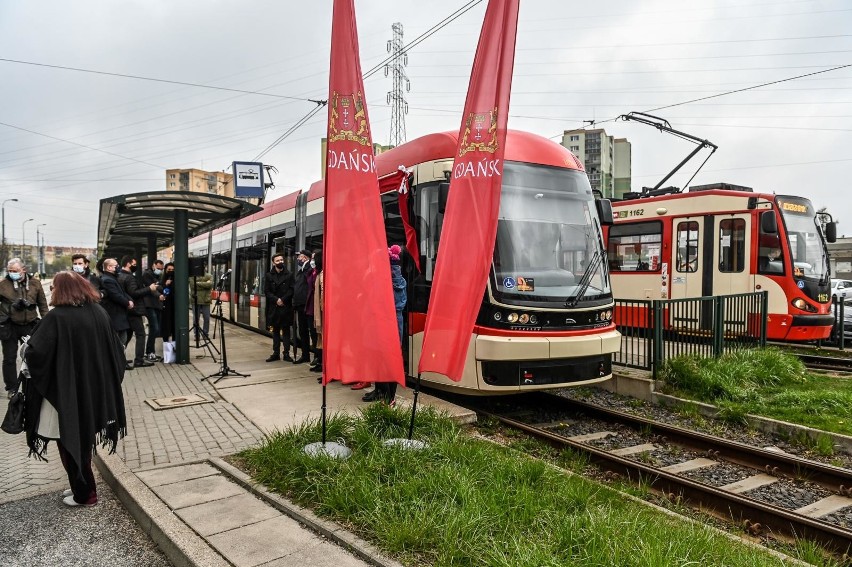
(306,253)
(394,252)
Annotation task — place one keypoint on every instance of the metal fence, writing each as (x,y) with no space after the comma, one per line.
(654,330)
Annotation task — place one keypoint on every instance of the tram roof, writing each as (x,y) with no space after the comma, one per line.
(126,221)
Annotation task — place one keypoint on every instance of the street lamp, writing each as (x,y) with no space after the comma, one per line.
(23,241)
(39,244)
(3,220)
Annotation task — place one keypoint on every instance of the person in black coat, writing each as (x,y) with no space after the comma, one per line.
(278,287)
(137,293)
(300,301)
(167,283)
(114,300)
(73,395)
(153,307)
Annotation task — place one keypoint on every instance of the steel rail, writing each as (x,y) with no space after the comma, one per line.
(757,516)
(834,479)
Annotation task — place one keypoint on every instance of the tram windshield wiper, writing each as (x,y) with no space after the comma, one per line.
(586,280)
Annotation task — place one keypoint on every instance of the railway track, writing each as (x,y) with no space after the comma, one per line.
(732,501)
(826,362)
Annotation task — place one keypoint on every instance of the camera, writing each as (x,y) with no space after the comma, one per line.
(23,304)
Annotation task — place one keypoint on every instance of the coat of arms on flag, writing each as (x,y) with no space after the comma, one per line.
(480,133)
(347,119)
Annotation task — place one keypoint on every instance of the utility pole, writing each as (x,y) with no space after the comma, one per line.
(39,248)
(3,221)
(399,106)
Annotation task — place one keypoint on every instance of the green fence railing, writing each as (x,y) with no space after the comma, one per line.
(654,330)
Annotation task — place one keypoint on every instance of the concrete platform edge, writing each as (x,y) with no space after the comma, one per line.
(645,389)
(331,531)
(182,546)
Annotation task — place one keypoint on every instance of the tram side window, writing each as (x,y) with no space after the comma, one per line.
(635,247)
(430,223)
(732,238)
(687,247)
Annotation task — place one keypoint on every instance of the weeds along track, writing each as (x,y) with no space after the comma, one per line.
(823,358)
(769,492)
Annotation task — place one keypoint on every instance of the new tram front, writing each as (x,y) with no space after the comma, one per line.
(546,318)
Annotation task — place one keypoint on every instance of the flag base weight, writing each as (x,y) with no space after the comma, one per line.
(332,449)
(409,444)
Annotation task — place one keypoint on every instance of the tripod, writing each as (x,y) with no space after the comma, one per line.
(200,333)
(224,371)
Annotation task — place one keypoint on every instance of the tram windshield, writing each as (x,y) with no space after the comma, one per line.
(807,248)
(549,242)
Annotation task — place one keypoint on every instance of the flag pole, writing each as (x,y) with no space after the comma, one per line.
(414,407)
(323,415)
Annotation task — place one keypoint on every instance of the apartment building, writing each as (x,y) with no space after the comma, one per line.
(607,159)
(200,181)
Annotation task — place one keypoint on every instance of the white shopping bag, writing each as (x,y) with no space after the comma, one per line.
(169,352)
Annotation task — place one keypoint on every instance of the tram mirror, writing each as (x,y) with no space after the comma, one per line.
(604,207)
(768,224)
(443,195)
(831,232)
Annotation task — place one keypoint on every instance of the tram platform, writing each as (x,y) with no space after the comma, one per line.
(171,471)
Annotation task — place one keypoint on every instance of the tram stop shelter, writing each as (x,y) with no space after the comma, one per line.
(133,223)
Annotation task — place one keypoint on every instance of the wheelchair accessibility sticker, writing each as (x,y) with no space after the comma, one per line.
(801,284)
(509,283)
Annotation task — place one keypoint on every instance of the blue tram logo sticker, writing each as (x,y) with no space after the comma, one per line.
(801,284)
(509,283)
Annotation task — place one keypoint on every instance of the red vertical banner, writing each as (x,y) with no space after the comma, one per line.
(360,337)
(470,222)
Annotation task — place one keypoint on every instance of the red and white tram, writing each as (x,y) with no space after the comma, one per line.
(546,315)
(725,239)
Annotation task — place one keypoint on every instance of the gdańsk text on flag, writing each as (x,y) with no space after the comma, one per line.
(470,222)
(359,333)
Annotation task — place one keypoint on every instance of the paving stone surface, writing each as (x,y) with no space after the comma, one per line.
(181,434)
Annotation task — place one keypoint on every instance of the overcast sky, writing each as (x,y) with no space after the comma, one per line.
(69,138)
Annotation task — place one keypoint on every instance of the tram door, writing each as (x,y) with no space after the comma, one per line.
(732,249)
(687,267)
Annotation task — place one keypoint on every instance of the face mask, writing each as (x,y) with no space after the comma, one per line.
(157,271)
(300,262)
(279,265)
(313,264)
(78,269)
(14,276)
(132,269)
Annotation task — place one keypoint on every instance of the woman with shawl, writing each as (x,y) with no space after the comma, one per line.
(73,396)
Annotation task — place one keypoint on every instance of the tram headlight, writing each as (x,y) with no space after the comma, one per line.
(800,303)
(512,317)
(524,319)
(498,316)
(534,320)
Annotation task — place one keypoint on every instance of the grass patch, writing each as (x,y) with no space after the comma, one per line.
(465,501)
(765,382)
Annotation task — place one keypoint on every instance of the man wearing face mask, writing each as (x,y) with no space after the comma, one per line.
(22,302)
(135,316)
(80,264)
(300,301)
(153,307)
(278,286)
(116,302)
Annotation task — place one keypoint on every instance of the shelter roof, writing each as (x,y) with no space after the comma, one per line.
(126,221)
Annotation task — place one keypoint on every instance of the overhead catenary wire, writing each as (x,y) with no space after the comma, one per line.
(143,78)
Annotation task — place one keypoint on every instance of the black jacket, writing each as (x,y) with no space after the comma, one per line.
(300,287)
(278,285)
(93,278)
(77,363)
(115,301)
(152,300)
(134,289)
